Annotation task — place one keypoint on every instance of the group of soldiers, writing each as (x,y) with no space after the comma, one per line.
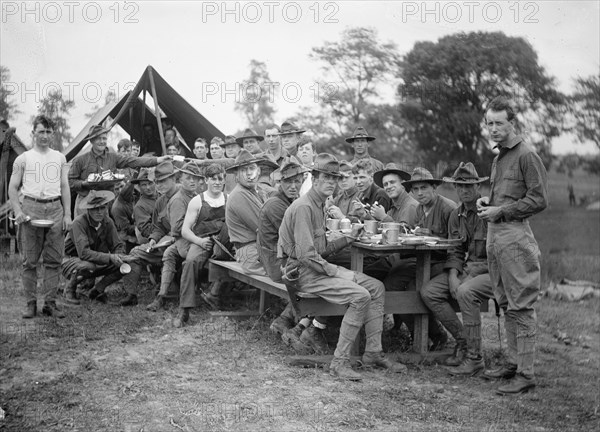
(270,197)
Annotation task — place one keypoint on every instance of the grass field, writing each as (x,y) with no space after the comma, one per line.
(105,368)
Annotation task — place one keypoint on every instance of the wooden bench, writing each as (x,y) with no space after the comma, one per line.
(396,302)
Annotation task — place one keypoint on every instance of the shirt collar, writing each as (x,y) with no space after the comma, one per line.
(463,211)
(513,142)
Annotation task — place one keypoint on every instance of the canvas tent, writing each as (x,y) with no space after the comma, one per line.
(131,111)
(11,146)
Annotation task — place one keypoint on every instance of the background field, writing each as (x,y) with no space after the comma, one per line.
(108,369)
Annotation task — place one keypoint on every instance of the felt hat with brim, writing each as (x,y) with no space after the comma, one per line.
(390,168)
(97,199)
(328,164)
(244,158)
(420,175)
(465,174)
(249,133)
(164,170)
(291,167)
(229,140)
(288,127)
(96,131)
(360,132)
(143,175)
(192,169)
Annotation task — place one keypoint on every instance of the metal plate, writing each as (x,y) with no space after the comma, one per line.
(41,223)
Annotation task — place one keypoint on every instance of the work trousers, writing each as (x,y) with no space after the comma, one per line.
(47,243)
(514,265)
(364,297)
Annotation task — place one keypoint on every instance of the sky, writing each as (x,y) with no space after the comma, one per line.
(203,49)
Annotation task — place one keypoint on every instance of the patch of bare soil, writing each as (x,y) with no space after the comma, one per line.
(105,368)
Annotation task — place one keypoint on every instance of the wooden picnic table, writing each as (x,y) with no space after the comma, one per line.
(423,272)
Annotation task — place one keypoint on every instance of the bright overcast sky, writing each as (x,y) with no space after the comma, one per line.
(204,48)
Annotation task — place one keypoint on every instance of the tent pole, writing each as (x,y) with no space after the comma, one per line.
(131,121)
(143,117)
(157,112)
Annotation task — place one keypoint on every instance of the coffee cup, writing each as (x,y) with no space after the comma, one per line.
(125,268)
(390,236)
(333,224)
(371,226)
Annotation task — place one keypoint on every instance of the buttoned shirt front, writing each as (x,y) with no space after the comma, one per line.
(161,225)
(375,163)
(84,165)
(518,181)
(93,244)
(466,225)
(302,234)
(436,221)
(176,209)
(403,210)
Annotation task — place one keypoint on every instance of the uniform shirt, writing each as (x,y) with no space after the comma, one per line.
(269,220)
(161,225)
(142,213)
(437,219)
(465,224)
(518,181)
(122,211)
(403,210)
(176,209)
(241,214)
(375,163)
(302,235)
(375,194)
(88,163)
(42,172)
(345,198)
(91,244)
(278,156)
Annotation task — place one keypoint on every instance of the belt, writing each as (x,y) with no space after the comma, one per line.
(42,200)
(241,245)
(503,220)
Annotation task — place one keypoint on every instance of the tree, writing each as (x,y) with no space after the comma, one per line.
(8,108)
(357,66)
(448,83)
(256,96)
(585,108)
(56,108)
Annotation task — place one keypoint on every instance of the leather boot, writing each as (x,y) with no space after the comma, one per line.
(70,287)
(438,341)
(157,304)
(505,371)
(182,317)
(519,384)
(51,309)
(341,368)
(314,338)
(281,324)
(212,300)
(378,359)
(469,367)
(459,354)
(291,337)
(130,300)
(30,310)
(94,294)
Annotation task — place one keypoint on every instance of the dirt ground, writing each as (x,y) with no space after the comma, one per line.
(105,368)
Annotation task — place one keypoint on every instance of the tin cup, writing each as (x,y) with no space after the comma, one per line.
(345,224)
(333,224)
(371,226)
(390,236)
(125,268)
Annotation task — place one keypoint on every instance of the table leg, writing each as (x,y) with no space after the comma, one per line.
(356,259)
(421,336)
(262,302)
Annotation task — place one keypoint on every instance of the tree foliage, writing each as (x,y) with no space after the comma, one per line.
(56,108)
(256,95)
(8,108)
(356,68)
(584,105)
(448,83)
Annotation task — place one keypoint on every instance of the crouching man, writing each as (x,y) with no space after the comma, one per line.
(302,244)
(93,248)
